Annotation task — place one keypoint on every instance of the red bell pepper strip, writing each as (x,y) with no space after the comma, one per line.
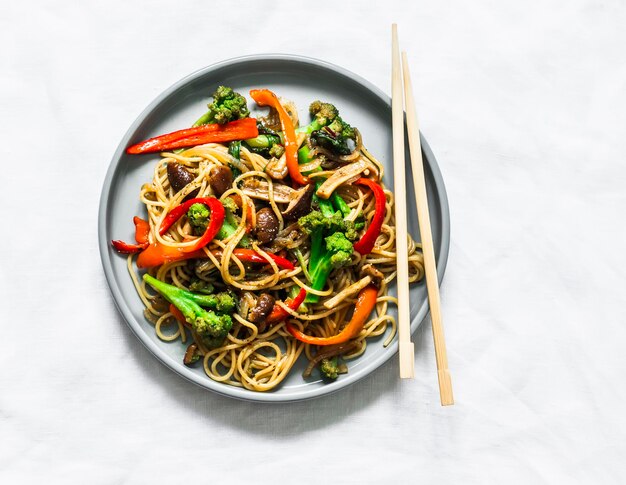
(199,135)
(367,241)
(157,254)
(213,227)
(265,97)
(251,256)
(364,305)
(126,248)
(279,313)
(142,229)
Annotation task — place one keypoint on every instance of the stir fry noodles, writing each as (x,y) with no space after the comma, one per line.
(265,239)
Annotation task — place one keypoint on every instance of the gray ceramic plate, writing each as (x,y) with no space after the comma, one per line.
(301,80)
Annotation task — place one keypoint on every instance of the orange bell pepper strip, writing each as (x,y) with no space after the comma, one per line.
(199,135)
(157,254)
(364,305)
(265,97)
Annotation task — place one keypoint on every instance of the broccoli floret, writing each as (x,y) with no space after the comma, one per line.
(198,216)
(199,285)
(210,326)
(338,225)
(229,204)
(313,221)
(330,368)
(277,151)
(333,223)
(327,130)
(324,113)
(263,144)
(227,105)
(338,137)
(330,245)
(225,302)
(339,248)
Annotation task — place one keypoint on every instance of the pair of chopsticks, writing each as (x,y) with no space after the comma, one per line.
(406,348)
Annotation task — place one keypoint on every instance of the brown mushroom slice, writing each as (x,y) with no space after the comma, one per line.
(300,204)
(341,176)
(220,179)
(259,189)
(179,177)
(371,271)
(262,309)
(266,225)
(192,355)
(287,238)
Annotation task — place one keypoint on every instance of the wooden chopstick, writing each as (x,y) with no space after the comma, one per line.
(423,216)
(406,349)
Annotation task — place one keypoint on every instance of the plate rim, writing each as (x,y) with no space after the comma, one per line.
(205,381)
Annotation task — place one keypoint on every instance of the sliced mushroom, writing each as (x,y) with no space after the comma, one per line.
(371,271)
(277,168)
(349,291)
(221,179)
(287,238)
(266,225)
(300,204)
(259,189)
(179,177)
(264,306)
(328,353)
(341,176)
(192,355)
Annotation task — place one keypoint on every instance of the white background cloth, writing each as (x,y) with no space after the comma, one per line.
(523,104)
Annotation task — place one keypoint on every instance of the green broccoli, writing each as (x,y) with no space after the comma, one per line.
(198,216)
(227,105)
(340,204)
(230,204)
(199,285)
(329,368)
(234,150)
(339,251)
(210,326)
(330,245)
(263,144)
(323,114)
(277,151)
(338,137)
(327,130)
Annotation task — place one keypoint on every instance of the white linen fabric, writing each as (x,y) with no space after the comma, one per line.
(523,105)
